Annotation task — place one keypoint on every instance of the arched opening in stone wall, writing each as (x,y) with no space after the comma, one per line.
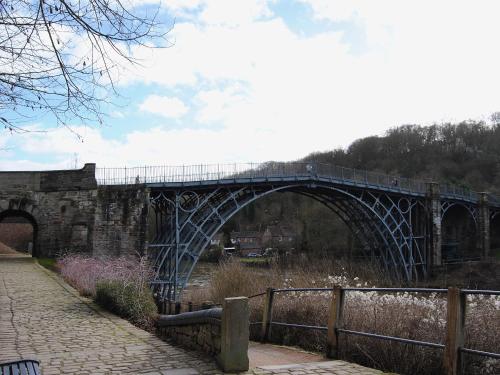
(18,232)
(459,235)
(495,236)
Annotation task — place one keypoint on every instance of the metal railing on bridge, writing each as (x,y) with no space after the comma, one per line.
(216,172)
(185,174)
(458,192)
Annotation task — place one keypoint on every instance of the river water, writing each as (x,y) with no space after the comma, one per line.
(200,277)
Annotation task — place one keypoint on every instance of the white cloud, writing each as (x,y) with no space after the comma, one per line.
(423,65)
(157,146)
(278,95)
(164,106)
(234,13)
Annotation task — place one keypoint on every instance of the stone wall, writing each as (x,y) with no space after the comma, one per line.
(201,337)
(198,330)
(76,179)
(220,332)
(121,224)
(70,213)
(62,220)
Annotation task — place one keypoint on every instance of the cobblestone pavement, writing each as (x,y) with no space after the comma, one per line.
(329,367)
(43,318)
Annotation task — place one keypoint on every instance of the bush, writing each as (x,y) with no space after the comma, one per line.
(127,300)
(120,285)
(83,272)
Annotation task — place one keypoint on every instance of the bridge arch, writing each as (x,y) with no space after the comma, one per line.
(29,218)
(495,233)
(460,231)
(188,219)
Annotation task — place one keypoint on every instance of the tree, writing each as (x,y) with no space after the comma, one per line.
(61,56)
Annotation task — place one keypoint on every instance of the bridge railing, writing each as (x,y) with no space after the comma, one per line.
(494,199)
(458,191)
(214,172)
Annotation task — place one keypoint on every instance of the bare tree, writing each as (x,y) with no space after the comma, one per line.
(62,56)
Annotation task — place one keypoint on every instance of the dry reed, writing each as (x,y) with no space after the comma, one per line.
(407,315)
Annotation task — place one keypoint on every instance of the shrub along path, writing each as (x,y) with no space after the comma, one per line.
(41,317)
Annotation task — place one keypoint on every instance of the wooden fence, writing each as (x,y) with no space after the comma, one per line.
(455,322)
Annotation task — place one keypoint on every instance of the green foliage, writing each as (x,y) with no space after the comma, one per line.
(127,300)
(465,153)
(49,263)
(212,254)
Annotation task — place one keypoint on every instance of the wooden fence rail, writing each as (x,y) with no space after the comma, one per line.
(455,322)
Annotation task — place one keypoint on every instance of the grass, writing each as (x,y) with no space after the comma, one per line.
(256,261)
(413,316)
(49,263)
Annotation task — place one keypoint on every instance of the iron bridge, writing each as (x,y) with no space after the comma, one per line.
(396,218)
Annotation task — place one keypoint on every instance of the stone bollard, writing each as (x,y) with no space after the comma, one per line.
(233,356)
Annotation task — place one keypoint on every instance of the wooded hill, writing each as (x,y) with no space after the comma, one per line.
(466,154)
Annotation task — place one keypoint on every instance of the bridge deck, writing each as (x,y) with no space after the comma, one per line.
(210,176)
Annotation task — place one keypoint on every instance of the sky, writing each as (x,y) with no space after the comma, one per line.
(257,80)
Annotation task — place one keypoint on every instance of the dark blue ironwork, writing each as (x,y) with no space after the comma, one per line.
(192,203)
(24,367)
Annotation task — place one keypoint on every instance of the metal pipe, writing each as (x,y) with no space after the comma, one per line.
(480,352)
(483,292)
(319,328)
(303,290)
(392,338)
(411,290)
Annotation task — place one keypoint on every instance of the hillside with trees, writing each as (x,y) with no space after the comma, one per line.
(466,154)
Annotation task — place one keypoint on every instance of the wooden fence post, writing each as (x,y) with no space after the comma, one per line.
(190,306)
(267,315)
(177,308)
(455,323)
(334,322)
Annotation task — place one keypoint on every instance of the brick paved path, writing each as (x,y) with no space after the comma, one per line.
(43,318)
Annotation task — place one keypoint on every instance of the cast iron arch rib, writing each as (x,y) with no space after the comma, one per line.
(188,219)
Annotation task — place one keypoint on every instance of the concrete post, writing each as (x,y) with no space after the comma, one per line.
(484,225)
(434,243)
(235,333)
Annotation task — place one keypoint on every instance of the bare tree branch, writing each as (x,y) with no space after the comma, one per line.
(61,57)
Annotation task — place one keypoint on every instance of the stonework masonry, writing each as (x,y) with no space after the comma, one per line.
(70,213)
(204,337)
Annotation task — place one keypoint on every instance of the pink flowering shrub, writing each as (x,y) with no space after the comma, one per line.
(83,273)
(120,285)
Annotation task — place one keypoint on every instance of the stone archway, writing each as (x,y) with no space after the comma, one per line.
(19,230)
